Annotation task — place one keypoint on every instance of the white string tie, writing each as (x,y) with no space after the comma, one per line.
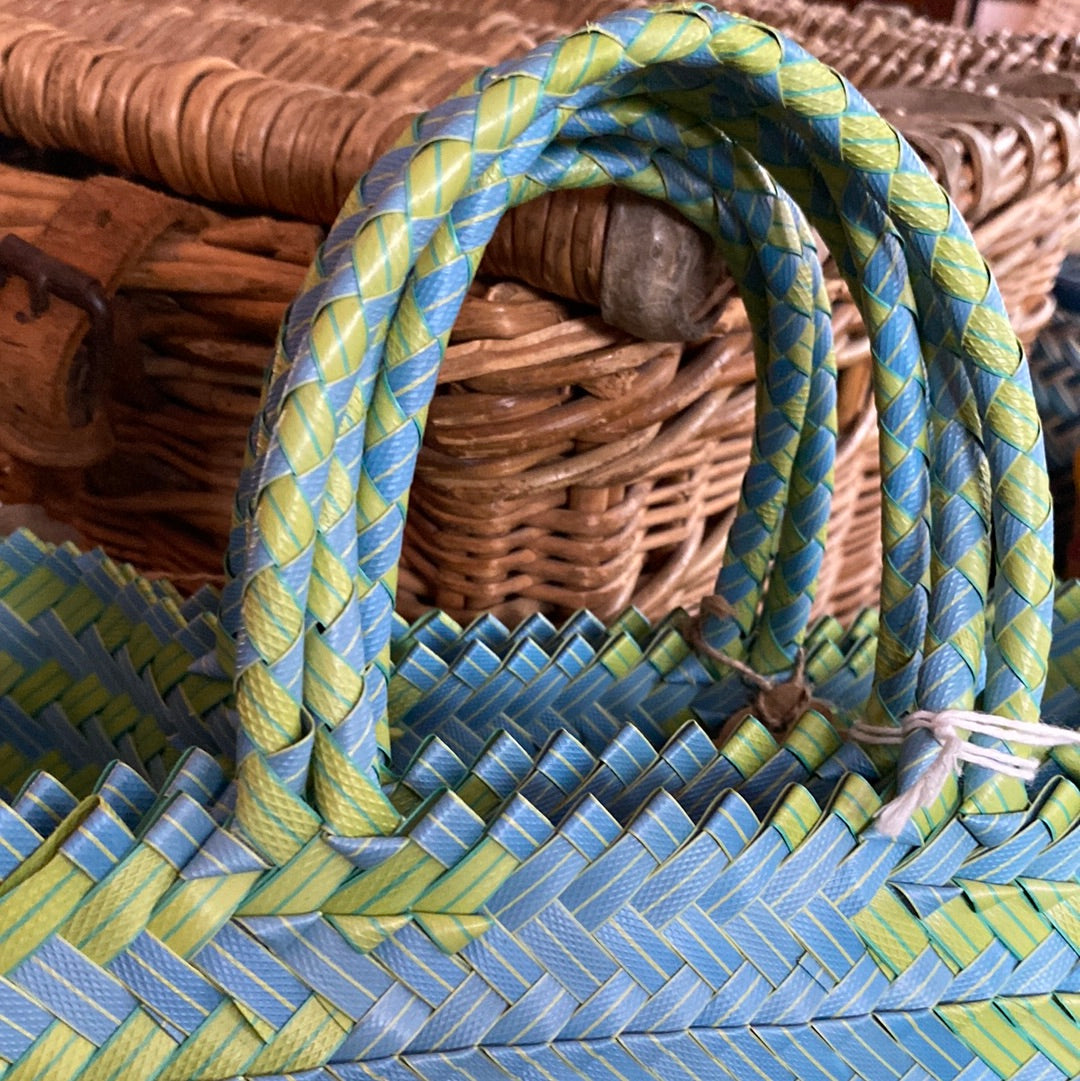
(946,727)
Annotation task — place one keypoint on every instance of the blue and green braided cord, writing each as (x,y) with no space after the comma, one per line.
(871,256)
(793,580)
(704,169)
(315,567)
(780,425)
(639,172)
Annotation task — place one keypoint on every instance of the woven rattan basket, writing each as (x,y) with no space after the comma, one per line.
(1055,17)
(568,462)
(276,833)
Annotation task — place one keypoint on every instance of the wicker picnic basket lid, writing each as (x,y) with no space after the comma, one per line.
(266,105)
(477,853)
(616,487)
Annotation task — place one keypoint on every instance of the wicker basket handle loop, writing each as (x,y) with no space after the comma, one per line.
(322,502)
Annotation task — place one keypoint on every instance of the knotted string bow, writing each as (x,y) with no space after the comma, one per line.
(948,728)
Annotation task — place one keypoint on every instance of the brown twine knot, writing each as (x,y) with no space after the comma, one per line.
(778,705)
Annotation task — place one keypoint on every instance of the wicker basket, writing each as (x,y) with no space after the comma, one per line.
(606,470)
(1056,17)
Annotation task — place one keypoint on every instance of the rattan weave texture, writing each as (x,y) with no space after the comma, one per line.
(634,500)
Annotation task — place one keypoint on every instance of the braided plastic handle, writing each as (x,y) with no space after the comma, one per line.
(677,103)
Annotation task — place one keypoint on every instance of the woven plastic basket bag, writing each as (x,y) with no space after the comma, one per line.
(454,853)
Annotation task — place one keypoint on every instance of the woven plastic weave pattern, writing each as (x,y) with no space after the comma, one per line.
(629,939)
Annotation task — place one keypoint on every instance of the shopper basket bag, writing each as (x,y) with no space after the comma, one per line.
(282,835)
